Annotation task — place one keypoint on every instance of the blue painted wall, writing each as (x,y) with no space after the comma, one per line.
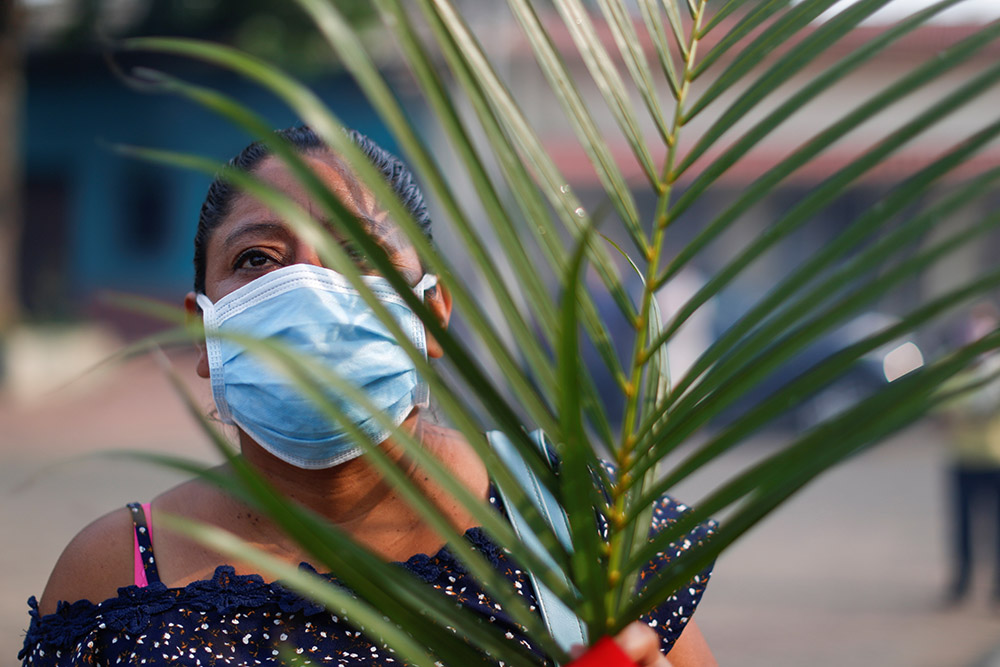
(129,225)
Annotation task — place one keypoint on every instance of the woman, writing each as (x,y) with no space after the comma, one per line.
(182,602)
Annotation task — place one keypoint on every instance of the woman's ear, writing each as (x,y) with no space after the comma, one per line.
(438,299)
(194,313)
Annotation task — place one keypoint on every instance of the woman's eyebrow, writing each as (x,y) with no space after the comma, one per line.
(256,229)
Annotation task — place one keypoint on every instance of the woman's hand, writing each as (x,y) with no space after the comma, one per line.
(642,645)
(636,645)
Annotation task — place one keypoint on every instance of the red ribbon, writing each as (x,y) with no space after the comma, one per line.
(605,653)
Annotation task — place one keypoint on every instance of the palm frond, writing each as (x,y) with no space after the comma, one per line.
(523,363)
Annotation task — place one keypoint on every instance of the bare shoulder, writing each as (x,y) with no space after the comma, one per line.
(691,649)
(94,565)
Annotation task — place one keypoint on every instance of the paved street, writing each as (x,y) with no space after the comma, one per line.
(849,573)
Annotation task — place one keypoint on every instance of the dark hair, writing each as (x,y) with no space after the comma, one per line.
(221,193)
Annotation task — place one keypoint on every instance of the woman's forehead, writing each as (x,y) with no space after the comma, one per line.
(332,171)
(358,199)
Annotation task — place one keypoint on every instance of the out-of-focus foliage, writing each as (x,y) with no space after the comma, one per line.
(277,31)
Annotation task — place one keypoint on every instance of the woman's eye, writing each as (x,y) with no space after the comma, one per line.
(254,259)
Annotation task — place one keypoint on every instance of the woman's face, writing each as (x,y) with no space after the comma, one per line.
(252,240)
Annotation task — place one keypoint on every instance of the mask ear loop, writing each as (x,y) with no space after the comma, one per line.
(214,352)
(427,282)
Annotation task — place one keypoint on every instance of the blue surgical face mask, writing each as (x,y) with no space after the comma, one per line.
(316,312)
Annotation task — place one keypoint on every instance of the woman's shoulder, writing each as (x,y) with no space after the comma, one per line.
(94,565)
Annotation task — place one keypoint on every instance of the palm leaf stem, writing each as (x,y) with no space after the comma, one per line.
(636,532)
(621,533)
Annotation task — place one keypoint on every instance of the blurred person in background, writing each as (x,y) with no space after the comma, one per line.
(973,432)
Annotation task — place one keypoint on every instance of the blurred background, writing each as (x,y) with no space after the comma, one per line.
(853,571)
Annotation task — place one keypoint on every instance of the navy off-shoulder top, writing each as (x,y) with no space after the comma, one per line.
(242,620)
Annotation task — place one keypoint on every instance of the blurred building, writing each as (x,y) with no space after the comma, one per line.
(96,220)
